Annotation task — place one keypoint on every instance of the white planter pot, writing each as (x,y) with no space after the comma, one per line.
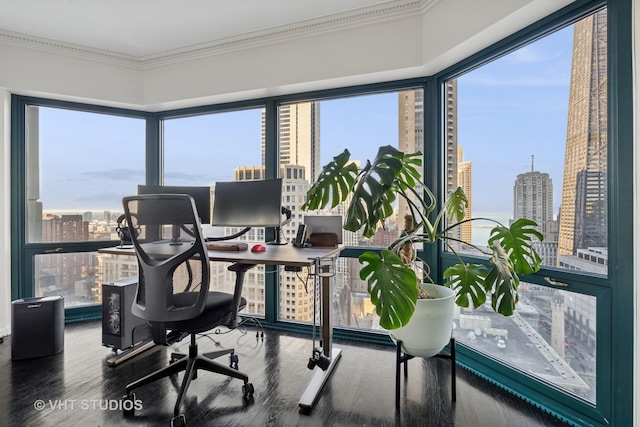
(429,329)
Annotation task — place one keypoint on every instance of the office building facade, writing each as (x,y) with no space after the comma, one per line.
(533,199)
(583,210)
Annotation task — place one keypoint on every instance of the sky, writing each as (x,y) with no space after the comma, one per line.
(508,110)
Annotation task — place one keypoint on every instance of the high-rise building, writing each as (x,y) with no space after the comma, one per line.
(298,137)
(533,199)
(411,139)
(583,209)
(451,115)
(464,182)
(64,273)
(410,135)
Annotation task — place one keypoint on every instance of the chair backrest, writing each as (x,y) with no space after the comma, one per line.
(173,275)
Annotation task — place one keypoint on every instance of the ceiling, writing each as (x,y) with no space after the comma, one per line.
(144,28)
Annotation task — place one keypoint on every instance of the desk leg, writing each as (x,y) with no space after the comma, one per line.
(130,352)
(320,377)
(318,380)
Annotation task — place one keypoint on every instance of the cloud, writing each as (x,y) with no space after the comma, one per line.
(185,177)
(532,54)
(102,197)
(116,174)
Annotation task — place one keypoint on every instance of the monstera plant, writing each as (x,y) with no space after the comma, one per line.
(394,274)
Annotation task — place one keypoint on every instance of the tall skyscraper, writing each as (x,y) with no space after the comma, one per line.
(533,199)
(451,115)
(410,134)
(411,139)
(464,182)
(298,136)
(583,210)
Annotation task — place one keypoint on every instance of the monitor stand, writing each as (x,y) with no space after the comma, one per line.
(279,240)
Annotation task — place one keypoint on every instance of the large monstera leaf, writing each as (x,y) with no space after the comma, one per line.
(373,189)
(376,188)
(467,281)
(334,183)
(455,205)
(392,286)
(518,244)
(502,282)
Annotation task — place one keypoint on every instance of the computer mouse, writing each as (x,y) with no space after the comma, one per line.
(258,248)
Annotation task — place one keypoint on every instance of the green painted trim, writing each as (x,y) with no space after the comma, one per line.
(621,189)
(530,389)
(154,143)
(17,196)
(82,314)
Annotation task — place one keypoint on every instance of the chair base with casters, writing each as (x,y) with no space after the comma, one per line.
(402,358)
(190,364)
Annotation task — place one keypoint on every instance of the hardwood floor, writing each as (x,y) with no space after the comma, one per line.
(78,388)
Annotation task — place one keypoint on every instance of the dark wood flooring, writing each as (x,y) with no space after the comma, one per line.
(78,388)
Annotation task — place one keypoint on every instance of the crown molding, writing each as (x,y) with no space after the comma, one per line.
(58,47)
(384,12)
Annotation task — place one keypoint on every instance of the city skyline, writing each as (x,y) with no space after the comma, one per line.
(358,123)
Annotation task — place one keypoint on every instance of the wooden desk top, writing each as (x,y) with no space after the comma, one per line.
(274,255)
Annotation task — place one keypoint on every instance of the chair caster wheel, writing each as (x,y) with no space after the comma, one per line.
(233,358)
(179,421)
(128,404)
(247,391)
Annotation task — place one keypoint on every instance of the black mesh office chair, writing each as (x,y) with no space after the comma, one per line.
(173,289)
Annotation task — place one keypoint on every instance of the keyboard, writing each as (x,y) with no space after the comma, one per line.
(227,246)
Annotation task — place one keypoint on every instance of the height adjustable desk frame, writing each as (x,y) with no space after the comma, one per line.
(321,260)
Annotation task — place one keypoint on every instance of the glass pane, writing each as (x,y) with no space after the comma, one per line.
(544,108)
(112,267)
(226,146)
(79,276)
(311,134)
(530,130)
(79,166)
(551,336)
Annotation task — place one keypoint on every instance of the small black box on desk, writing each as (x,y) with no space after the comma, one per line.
(37,327)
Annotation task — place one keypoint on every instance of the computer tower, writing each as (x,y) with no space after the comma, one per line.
(120,328)
(37,327)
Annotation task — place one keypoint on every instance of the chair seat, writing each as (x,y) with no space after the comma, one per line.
(217,307)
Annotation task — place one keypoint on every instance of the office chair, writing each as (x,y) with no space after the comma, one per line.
(173,290)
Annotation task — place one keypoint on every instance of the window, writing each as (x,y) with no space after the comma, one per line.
(79,165)
(207,148)
(311,134)
(532,107)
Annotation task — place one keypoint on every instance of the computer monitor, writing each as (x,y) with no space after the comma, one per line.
(201,195)
(248,203)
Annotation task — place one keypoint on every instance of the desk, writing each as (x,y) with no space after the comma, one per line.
(290,256)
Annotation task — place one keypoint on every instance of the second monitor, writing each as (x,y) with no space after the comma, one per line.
(200,194)
(249,204)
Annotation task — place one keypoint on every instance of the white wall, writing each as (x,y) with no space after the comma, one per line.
(68,76)
(410,44)
(5,229)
